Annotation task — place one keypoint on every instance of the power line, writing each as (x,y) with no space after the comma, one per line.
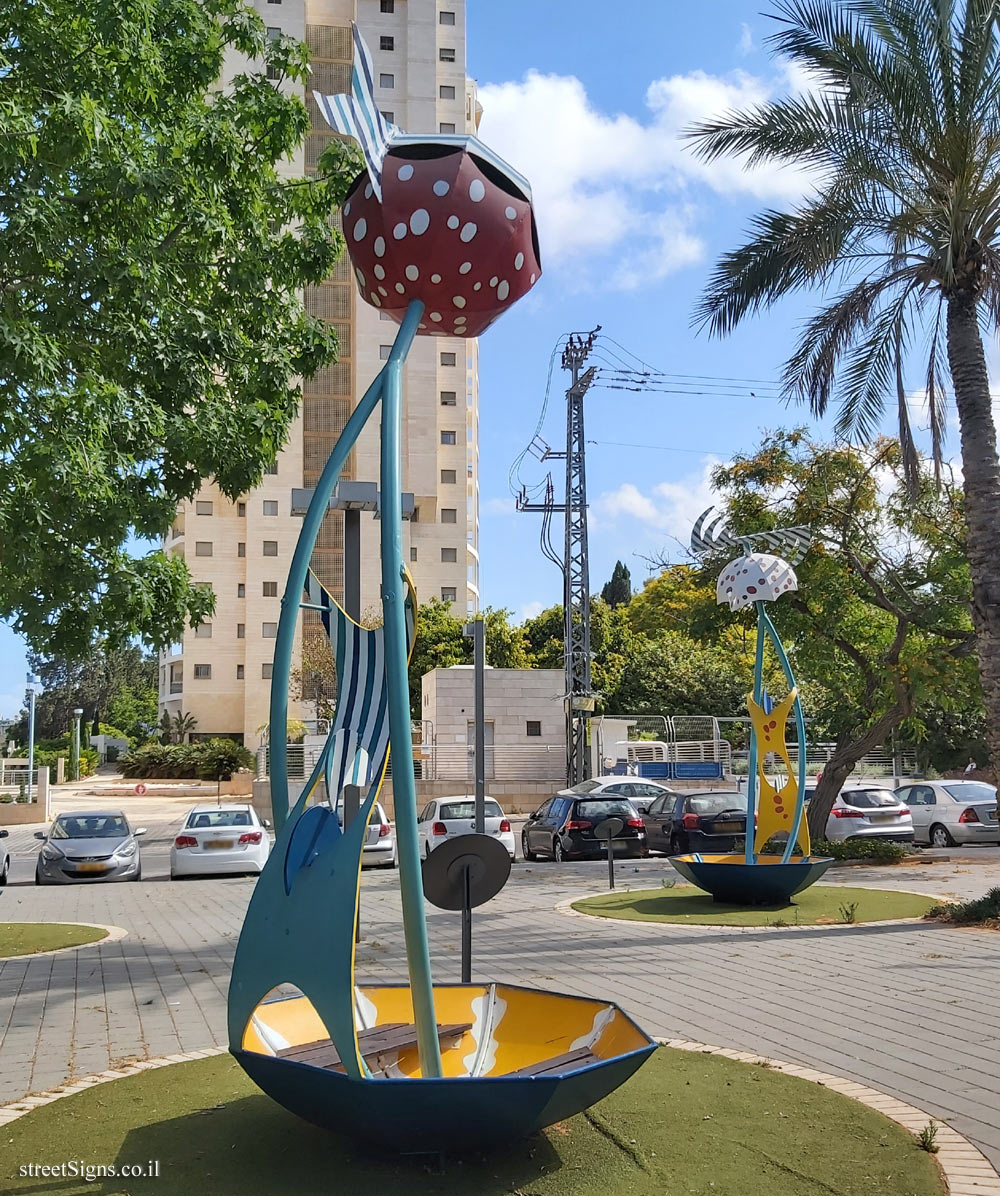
(662,448)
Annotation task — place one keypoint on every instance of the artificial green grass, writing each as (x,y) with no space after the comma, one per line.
(817,906)
(685,1123)
(23,938)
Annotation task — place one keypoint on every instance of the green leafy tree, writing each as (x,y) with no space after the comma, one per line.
(900,133)
(152,328)
(671,673)
(618,591)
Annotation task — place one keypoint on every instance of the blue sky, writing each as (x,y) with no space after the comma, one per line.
(630,224)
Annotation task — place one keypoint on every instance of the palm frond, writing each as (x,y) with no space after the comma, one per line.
(936,396)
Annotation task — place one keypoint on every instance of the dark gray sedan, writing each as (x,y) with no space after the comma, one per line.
(89,845)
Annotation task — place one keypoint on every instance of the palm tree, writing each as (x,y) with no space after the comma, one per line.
(900,135)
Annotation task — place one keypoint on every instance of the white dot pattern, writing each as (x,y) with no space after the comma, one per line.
(510,213)
(379,246)
(412,273)
(405,172)
(453,222)
(441,187)
(477,192)
(420,222)
(360,229)
(468,231)
(465,267)
(399,232)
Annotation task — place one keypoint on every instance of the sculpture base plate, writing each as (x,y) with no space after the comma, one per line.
(730,879)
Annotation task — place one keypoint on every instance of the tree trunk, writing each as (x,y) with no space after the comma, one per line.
(981,485)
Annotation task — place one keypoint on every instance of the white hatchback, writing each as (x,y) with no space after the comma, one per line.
(220,840)
(445,818)
(949,812)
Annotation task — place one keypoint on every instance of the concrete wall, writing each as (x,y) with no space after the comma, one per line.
(513,697)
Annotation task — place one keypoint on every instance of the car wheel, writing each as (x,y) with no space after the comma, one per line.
(6,871)
(940,836)
(676,847)
(528,855)
(38,876)
(557,851)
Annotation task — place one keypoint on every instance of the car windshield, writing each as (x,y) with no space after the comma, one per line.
(715,803)
(596,809)
(210,818)
(467,809)
(90,826)
(972,791)
(586,787)
(869,799)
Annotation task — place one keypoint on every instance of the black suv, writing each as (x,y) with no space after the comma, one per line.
(564,829)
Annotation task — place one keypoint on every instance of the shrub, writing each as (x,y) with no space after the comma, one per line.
(982,911)
(220,758)
(861,849)
(216,759)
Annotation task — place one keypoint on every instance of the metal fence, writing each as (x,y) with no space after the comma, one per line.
(648,751)
(878,763)
(14,783)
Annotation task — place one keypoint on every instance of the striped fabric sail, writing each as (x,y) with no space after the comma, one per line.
(710,536)
(356,115)
(359,738)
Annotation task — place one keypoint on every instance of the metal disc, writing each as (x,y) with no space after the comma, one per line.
(488,864)
(609,828)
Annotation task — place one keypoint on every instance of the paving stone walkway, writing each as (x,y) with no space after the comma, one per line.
(906,1008)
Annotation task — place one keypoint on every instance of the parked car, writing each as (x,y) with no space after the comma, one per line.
(710,821)
(563,828)
(220,840)
(89,845)
(948,812)
(445,818)
(4,857)
(638,790)
(379,847)
(867,812)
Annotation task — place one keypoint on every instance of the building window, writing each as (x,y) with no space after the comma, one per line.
(241,589)
(446,126)
(203,548)
(266,670)
(203,631)
(269,630)
(270,547)
(386,43)
(274,1)
(449,515)
(449,398)
(241,549)
(446,18)
(386,80)
(449,555)
(270,589)
(387,6)
(448,359)
(203,507)
(446,54)
(389,116)
(241,509)
(239,667)
(241,631)
(533,727)
(273,34)
(270,506)
(448,438)
(448,594)
(271,469)
(384,351)
(413,554)
(446,92)
(449,477)
(202,672)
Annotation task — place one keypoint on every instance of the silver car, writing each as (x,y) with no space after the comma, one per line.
(89,845)
(868,812)
(948,812)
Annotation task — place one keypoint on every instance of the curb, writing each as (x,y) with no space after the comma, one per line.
(113,934)
(967,1171)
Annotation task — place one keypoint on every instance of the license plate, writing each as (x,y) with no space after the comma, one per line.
(883,817)
(216,844)
(91,867)
(728,828)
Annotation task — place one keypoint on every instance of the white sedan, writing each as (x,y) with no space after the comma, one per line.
(948,812)
(445,818)
(220,840)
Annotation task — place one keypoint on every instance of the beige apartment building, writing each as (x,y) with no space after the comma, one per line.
(220,673)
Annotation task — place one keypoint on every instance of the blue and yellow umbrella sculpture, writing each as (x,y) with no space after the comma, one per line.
(421,1066)
(756,578)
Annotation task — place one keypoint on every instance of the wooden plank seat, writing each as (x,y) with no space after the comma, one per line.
(581,1057)
(388,1039)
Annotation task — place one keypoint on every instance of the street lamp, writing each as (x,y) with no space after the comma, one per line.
(77,715)
(31,686)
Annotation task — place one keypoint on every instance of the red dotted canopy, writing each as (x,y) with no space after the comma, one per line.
(451,230)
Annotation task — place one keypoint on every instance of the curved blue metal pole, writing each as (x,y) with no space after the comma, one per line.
(297,573)
(758,693)
(397,681)
(800,730)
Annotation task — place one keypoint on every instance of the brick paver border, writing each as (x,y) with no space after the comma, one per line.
(113,934)
(967,1172)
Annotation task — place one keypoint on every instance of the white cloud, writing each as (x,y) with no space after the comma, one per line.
(611,184)
(497,506)
(666,513)
(746,43)
(531,610)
